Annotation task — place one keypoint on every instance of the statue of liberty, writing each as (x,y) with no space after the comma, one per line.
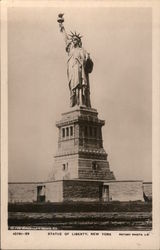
(79,65)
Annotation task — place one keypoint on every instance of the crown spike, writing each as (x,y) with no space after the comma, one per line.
(75,34)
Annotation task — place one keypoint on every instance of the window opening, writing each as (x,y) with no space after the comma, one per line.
(94,165)
(63,132)
(90,131)
(67,131)
(71,131)
(86,131)
(65,166)
(95,132)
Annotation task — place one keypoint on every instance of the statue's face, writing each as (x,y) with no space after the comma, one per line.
(75,42)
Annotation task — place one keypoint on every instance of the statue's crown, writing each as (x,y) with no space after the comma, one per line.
(74,34)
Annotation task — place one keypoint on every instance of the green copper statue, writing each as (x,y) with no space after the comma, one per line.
(79,65)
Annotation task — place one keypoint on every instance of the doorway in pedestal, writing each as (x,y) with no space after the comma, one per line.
(41,193)
(105,193)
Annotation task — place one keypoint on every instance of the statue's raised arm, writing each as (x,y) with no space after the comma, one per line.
(60,20)
(79,65)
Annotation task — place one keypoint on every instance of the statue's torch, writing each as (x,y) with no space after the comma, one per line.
(60,20)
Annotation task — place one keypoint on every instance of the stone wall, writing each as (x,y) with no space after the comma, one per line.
(77,190)
(125,190)
(54,191)
(65,167)
(27,192)
(74,190)
(147,189)
(22,192)
(95,169)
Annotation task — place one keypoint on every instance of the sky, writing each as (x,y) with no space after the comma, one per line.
(119,41)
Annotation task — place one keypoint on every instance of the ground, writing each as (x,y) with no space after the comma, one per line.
(81,216)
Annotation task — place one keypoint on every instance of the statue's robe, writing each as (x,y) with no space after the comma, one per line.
(76,68)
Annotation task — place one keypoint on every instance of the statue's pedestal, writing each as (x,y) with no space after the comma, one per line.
(80,152)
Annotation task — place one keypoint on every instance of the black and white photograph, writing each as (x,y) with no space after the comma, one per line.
(80,119)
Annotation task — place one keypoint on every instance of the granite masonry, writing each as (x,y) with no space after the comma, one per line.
(77,190)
